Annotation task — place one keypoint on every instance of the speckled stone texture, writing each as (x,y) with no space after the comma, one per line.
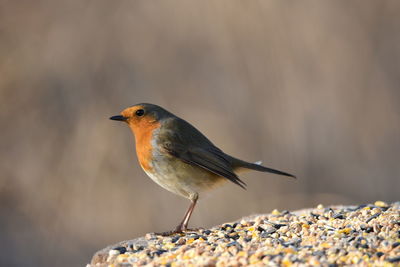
(365,235)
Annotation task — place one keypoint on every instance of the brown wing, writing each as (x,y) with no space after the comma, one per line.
(192,147)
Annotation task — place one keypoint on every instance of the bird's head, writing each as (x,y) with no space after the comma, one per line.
(142,116)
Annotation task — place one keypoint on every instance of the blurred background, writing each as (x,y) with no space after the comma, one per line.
(311,88)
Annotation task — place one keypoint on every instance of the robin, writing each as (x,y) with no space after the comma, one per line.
(179,157)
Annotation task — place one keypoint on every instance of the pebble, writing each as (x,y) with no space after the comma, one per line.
(113,252)
(365,235)
(275,212)
(394,259)
(121,250)
(381,204)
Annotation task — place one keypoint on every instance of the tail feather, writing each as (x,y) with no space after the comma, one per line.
(240,164)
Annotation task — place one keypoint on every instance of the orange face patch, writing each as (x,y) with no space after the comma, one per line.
(142,127)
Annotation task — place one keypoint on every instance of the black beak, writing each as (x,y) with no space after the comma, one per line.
(118,118)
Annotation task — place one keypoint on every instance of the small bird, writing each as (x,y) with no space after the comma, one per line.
(179,157)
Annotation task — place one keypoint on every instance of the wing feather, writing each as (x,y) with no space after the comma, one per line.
(200,152)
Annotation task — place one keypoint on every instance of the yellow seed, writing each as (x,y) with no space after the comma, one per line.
(190,241)
(345,231)
(381,204)
(169,245)
(355,260)
(276,212)
(325,245)
(254,259)
(314,262)
(365,258)
(286,262)
(251,229)
(342,259)
(122,257)
(241,254)
(289,250)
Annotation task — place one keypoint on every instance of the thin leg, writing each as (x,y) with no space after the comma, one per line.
(183,225)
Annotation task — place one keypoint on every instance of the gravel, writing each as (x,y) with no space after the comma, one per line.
(362,235)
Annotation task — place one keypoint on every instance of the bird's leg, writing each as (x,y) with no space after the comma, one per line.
(183,225)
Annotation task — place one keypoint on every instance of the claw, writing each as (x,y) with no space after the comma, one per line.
(179,230)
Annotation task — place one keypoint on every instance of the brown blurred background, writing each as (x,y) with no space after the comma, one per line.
(310,87)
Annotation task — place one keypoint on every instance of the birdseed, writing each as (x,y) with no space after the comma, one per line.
(365,235)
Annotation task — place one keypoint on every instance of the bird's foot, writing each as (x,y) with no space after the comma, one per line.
(179,230)
(192,230)
(169,233)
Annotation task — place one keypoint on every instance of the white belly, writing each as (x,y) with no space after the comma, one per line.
(181,178)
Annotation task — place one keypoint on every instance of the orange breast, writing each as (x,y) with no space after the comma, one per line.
(144,148)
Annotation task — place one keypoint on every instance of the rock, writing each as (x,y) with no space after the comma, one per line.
(331,236)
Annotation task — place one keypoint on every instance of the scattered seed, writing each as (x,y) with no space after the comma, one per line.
(366,235)
(373,217)
(121,250)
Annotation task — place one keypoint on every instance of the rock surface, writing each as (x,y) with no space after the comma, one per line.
(332,236)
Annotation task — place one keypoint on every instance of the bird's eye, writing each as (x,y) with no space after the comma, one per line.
(139,112)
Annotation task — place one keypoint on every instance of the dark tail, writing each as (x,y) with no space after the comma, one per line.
(240,164)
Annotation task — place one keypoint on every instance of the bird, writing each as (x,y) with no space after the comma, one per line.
(179,158)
